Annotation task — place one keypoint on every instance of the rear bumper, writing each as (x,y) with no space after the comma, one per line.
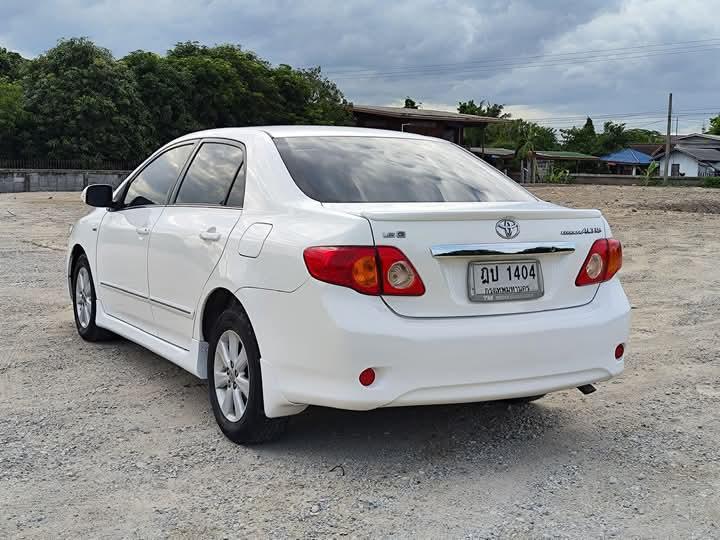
(315,341)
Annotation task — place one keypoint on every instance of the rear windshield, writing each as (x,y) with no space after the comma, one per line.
(381,169)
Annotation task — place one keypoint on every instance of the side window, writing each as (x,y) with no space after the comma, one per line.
(212,174)
(154,182)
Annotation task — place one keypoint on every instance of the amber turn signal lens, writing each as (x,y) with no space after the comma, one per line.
(364,271)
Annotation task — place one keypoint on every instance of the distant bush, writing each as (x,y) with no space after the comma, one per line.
(712,181)
(561,176)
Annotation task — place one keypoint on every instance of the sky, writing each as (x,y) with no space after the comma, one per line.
(554,60)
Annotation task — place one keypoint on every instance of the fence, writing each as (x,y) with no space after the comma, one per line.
(67,164)
(19,180)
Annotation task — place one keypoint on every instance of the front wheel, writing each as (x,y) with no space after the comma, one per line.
(235,381)
(85,302)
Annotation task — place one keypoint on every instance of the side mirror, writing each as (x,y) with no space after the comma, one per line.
(100,195)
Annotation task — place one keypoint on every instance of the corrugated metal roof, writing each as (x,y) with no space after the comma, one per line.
(566,156)
(425,114)
(629,156)
(489,151)
(701,154)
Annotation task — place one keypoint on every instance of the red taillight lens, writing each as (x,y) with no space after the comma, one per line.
(349,266)
(368,270)
(602,263)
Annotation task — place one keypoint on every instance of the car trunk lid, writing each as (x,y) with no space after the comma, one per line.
(449,243)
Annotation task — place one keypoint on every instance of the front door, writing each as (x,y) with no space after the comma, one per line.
(124,237)
(190,236)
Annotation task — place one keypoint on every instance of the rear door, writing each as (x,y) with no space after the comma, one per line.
(123,238)
(487,258)
(190,236)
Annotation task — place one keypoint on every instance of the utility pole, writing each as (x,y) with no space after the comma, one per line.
(667,140)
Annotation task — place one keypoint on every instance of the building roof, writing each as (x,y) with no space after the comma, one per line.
(701,154)
(563,156)
(490,151)
(425,114)
(628,156)
(707,136)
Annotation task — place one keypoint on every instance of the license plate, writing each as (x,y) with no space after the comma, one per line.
(504,280)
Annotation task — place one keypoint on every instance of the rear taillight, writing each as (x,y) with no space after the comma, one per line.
(602,262)
(369,270)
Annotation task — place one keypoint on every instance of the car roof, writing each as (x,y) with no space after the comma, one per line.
(301,131)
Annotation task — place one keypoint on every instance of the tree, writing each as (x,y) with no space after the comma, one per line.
(484,108)
(714,125)
(163,89)
(411,104)
(11,117)
(11,64)
(638,135)
(479,136)
(583,140)
(83,105)
(613,138)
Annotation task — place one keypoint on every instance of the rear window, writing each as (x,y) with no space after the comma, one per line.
(380,169)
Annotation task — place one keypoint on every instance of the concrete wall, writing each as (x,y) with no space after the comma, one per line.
(626,180)
(14,181)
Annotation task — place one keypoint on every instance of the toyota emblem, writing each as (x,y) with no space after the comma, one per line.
(507,228)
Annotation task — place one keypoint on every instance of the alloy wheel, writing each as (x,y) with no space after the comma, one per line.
(231,375)
(83,297)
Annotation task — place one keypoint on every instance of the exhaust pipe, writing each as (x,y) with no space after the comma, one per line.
(587,389)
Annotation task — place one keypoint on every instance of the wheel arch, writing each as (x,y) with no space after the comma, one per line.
(215,303)
(75,254)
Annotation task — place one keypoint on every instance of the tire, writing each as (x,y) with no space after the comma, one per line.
(524,400)
(233,368)
(85,302)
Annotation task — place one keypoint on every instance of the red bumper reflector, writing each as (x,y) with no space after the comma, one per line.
(619,351)
(367,377)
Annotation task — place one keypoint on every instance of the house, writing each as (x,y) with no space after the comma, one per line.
(499,158)
(543,163)
(626,161)
(692,155)
(443,124)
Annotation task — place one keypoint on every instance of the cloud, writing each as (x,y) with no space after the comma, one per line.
(493,46)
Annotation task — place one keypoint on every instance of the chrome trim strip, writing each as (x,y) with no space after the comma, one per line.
(120,289)
(492,250)
(174,307)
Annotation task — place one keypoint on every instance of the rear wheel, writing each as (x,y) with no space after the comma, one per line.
(85,302)
(235,381)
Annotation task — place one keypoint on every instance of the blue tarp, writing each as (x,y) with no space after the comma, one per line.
(628,155)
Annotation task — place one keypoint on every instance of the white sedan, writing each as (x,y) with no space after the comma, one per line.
(349,268)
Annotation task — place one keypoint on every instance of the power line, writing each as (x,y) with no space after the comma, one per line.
(531,65)
(372,70)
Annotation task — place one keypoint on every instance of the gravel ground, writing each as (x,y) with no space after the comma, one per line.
(109,440)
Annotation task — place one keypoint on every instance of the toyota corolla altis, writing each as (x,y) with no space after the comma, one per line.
(349,268)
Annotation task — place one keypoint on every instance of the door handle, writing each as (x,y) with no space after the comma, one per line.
(142,230)
(210,235)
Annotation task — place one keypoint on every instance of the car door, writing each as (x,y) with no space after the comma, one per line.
(190,236)
(124,237)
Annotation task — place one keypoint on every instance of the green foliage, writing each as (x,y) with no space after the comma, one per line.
(560,176)
(82,104)
(650,175)
(11,116)
(78,102)
(484,108)
(714,125)
(644,136)
(613,138)
(411,104)
(11,65)
(711,182)
(583,140)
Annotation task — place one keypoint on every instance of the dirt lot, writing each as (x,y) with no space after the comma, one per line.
(110,440)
